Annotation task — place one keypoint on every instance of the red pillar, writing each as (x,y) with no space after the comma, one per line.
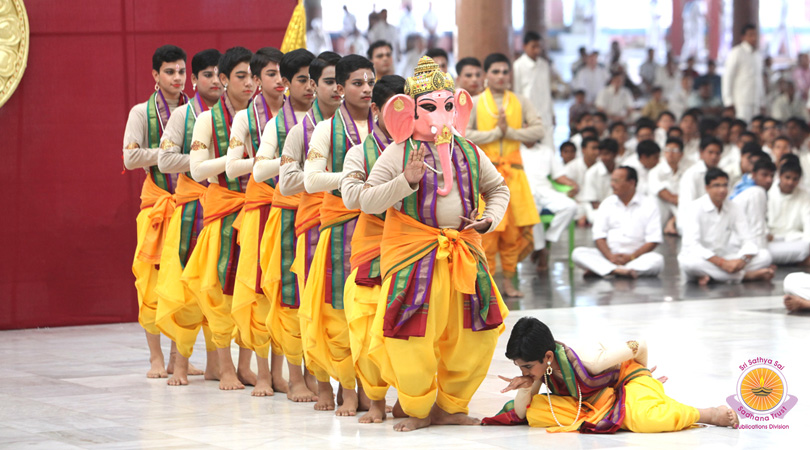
(715,14)
(676,29)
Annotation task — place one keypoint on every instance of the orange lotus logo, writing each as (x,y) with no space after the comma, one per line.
(761,393)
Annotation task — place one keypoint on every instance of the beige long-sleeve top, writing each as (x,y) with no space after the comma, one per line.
(204,165)
(236,164)
(318,175)
(388,187)
(171,158)
(291,172)
(533,131)
(354,177)
(268,158)
(137,153)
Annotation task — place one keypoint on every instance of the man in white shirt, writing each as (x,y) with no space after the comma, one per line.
(531,77)
(668,76)
(615,100)
(626,231)
(711,227)
(664,180)
(692,184)
(648,70)
(753,202)
(788,104)
(647,156)
(742,81)
(591,78)
(797,292)
(789,218)
(678,99)
(597,178)
(384,31)
(543,165)
(691,138)
(575,171)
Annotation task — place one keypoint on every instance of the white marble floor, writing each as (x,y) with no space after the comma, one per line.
(85,387)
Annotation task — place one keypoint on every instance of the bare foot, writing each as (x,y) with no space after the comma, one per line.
(280,384)
(247,377)
(765,274)
(311,381)
(157,370)
(540,260)
(704,280)
(582,222)
(723,416)
(212,366)
(376,413)
(670,228)
(180,375)
(439,416)
(363,402)
(590,274)
(389,409)
(349,405)
(263,388)
(193,371)
(326,397)
(796,303)
(299,392)
(627,273)
(511,291)
(398,412)
(411,424)
(229,381)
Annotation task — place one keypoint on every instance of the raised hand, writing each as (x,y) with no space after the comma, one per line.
(516,383)
(479,225)
(415,167)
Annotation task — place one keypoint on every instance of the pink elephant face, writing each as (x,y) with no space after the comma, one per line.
(434,111)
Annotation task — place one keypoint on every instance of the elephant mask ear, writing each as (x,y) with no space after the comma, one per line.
(464,106)
(398,114)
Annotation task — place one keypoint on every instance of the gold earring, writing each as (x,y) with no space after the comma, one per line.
(156,87)
(549,370)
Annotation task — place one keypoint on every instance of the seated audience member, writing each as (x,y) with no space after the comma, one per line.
(703,99)
(771,129)
(576,169)
(675,133)
(542,166)
(577,109)
(692,184)
(568,151)
(618,132)
(597,178)
(626,230)
(756,124)
(664,184)
(691,138)
(584,122)
(600,122)
(656,106)
(753,202)
(647,156)
(751,153)
(717,244)
(615,100)
(678,100)
(645,130)
(665,121)
(789,103)
(797,129)
(797,291)
(781,147)
(789,218)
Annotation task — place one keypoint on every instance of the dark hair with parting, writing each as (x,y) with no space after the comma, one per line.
(204,59)
(764,164)
(436,51)
(588,140)
(468,61)
(783,138)
(675,130)
(600,115)
(262,58)
(231,58)
(801,123)
(167,53)
(324,60)
(349,64)
(647,148)
(666,113)
(293,61)
(739,123)
(530,36)
(713,174)
(675,141)
(589,130)
(610,145)
(793,167)
(569,144)
(710,140)
(630,174)
(615,125)
(750,147)
(789,158)
(376,45)
(385,88)
(530,340)
(495,58)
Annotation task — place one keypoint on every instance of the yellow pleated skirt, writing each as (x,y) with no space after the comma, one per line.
(360,307)
(146,277)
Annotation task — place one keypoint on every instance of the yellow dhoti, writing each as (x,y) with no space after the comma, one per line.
(360,307)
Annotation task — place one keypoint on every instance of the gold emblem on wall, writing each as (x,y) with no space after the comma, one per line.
(14,43)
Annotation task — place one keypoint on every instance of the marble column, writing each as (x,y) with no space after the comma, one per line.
(534,16)
(484,27)
(745,11)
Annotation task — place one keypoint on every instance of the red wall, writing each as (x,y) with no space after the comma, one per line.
(68,222)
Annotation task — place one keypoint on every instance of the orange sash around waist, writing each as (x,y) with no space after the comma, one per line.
(406,240)
(286,201)
(162,204)
(507,163)
(334,212)
(220,202)
(368,234)
(187,191)
(309,212)
(256,196)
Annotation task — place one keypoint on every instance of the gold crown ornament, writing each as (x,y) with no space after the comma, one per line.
(428,78)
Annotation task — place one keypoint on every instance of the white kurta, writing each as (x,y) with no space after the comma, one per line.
(532,79)
(742,81)
(789,223)
(545,166)
(753,202)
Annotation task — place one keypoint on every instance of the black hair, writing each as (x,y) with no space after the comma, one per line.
(589,130)
(530,340)
(746,27)
(582,115)
(167,53)
(324,60)
(600,115)
(349,64)
(671,129)
(233,57)
(643,124)
(530,36)
(727,120)
(764,164)
(710,140)
(707,125)
(675,141)
(758,118)
(588,140)
(569,144)
(293,61)
(632,175)
(203,59)
(468,61)
(610,145)
(648,148)
(579,92)
(435,51)
(789,158)
(387,87)
(656,89)
(790,166)
(691,113)
(495,58)
(739,123)
(263,57)
(771,119)
(713,174)
(666,113)
(750,147)
(376,45)
(750,134)
(801,123)
(615,125)
(783,138)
